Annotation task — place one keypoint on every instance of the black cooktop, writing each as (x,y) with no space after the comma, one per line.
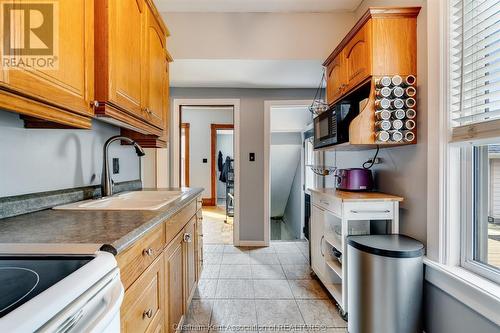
(22,278)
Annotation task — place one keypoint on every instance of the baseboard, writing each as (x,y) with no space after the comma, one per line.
(252,243)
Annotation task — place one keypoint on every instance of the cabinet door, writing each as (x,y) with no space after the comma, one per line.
(335,78)
(358,56)
(142,308)
(174,283)
(126,31)
(189,250)
(71,84)
(156,73)
(317,232)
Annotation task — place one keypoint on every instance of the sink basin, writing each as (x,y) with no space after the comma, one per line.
(140,200)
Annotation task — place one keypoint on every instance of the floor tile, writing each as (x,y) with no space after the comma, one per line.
(212,258)
(278,312)
(213,248)
(297,272)
(264,259)
(274,272)
(235,272)
(272,289)
(307,289)
(199,314)
(285,247)
(206,289)
(210,271)
(320,312)
(235,249)
(233,312)
(267,249)
(235,259)
(292,258)
(234,289)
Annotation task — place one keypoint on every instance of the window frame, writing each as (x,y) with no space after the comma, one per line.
(468,216)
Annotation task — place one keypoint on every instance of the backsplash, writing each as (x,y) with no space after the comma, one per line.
(40,160)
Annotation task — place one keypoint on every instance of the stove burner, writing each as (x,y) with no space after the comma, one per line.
(15,284)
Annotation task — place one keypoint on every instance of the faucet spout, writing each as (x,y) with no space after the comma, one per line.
(106,181)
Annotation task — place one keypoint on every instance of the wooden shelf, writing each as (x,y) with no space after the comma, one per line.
(335,266)
(336,290)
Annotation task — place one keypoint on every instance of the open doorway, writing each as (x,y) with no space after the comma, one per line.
(204,132)
(287,124)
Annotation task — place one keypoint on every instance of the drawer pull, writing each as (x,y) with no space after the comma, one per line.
(148,252)
(321,245)
(200,219)
(324,202)
(370,211)
(187,238)
(147,314)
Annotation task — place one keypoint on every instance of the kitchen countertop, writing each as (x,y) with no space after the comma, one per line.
(356,196)
(112,231)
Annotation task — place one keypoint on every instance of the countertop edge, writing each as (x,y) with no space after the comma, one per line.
(331,193)
(126,241)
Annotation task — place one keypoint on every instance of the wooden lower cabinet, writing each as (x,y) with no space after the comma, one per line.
(142,308)
(174,283)
(158,295)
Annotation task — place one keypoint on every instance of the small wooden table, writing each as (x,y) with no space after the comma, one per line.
(335,215)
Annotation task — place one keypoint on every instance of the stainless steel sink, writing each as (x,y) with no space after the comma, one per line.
(140,200)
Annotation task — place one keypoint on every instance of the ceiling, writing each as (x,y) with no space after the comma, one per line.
(241,6)
(241,73)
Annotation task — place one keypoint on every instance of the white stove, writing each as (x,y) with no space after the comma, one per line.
(59,293)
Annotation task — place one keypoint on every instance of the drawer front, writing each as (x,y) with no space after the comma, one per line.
(136,259)
(142,307)
(334,205)
(175,224)
(369,210)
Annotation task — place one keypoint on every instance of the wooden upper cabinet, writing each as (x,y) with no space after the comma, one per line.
(126,38)
(383,42)
(357,55)
(156,70)
(62,95)
(130,65)
(335,78)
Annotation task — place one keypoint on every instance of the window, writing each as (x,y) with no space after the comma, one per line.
(474,106)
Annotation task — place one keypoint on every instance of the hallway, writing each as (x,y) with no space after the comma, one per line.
(259,290)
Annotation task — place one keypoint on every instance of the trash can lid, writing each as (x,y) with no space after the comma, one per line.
(395,246)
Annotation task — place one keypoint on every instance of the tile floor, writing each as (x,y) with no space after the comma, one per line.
(261,290)
(215,229)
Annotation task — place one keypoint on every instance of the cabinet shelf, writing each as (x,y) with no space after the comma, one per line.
(336,290)
(333,242)
(335,266)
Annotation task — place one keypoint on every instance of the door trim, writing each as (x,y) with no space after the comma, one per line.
(267,160)
(186,127)
(175,150)
(213,148)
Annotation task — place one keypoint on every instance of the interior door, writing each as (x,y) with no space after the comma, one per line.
(70,84)
(317,238)
(156,73)
(126,54)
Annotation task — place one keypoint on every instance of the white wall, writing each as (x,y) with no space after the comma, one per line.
(251,140)
(38,160)
(200,120)
(255,35)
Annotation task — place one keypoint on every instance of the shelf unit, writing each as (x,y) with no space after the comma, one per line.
(382,43)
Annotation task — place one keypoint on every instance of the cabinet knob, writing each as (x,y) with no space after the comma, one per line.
(147,313)
(148,252)
(94,104)
(187,238)
(200,218)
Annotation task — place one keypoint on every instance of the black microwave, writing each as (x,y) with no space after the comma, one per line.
(332,126)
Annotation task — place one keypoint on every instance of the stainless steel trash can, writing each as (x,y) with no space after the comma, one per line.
(384,282)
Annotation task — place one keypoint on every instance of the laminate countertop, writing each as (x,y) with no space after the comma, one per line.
(112,231)
(356,196)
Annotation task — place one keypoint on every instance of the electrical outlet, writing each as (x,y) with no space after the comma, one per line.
(378,160)
(116,165)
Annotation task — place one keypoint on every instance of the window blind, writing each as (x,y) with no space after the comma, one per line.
(474,61)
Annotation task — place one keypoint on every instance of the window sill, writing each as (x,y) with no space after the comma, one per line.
(476,292)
